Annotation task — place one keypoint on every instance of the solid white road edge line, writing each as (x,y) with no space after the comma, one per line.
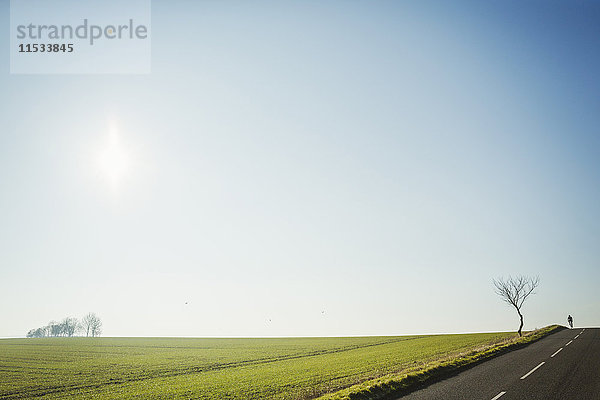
(556,352)
(499,395)
(533,370)
(570,341)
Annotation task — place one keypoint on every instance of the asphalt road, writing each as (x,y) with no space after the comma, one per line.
(565,365)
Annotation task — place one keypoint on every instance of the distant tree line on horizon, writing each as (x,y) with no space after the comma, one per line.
(89,325)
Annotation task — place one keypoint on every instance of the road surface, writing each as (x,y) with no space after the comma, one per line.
(565,365)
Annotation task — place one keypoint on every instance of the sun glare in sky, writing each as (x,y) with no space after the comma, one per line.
(114,161)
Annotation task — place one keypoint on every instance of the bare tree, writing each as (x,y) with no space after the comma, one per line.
(54,329)
(37,333)
(69,326)
(92,325)
(86,323)
(97,327)
(515,291)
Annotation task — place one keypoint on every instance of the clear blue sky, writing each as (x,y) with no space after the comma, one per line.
(380,161)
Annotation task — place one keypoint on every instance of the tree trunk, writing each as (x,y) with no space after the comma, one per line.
(520,326)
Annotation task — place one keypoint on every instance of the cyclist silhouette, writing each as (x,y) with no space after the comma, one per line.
(570,320)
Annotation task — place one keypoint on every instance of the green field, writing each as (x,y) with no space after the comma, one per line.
(165,368)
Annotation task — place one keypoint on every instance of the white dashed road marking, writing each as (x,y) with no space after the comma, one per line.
(533,370)
(496,397)
(556,352)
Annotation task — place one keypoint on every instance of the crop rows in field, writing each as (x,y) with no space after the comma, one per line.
(157,368)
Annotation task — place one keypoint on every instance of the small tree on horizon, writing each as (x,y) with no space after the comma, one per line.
(54,329)
(92,325)
(69,326)
(515,291)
